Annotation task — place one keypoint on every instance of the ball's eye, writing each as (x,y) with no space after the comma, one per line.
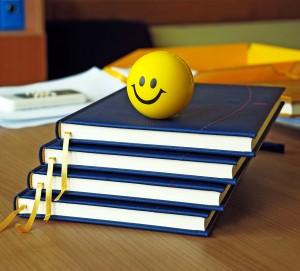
(142,81)
(153,83)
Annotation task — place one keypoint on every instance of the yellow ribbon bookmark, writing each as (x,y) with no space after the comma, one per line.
(51,163)
(5,223)
(27,227)
(64,166)
(115,74)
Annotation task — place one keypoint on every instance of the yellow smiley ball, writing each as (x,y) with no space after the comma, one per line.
(160,85)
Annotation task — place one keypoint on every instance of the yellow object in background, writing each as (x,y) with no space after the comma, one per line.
(224,56)
(200,58)
(266,54)
(160,85)
(241,63)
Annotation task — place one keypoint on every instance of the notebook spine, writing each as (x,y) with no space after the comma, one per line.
(41,151)
(57,128)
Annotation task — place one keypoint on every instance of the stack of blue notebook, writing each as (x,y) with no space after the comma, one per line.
(173,175)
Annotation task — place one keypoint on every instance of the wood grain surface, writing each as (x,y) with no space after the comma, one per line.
(259,230)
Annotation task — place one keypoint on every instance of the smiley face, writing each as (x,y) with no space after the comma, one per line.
(159,85)
(153,84)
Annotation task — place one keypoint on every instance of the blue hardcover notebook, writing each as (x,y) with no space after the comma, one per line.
(220,119)
(122,213)
(169,163)
(142,188)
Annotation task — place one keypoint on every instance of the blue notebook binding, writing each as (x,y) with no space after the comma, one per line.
(140,152)
(214,110)
(156,153)
(30,194)
(83,173)
(56,144)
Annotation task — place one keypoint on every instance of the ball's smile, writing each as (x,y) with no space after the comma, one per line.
(151,101)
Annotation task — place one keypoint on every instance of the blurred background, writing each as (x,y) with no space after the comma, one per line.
(63,37)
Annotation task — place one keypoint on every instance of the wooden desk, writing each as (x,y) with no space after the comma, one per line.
(260,228)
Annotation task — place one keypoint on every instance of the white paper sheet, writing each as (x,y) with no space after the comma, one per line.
(94,83)
(28,123)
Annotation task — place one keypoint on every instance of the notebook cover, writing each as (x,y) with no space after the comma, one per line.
(233,180)
(161,147)
(84,173)
(143,152)
(160,154)
(27,193)
(214,109)
(150,180)
(184,149)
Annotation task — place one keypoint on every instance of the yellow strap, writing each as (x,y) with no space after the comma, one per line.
(27,227)
(64,165)
(5,223)
(51,162)
(115,74)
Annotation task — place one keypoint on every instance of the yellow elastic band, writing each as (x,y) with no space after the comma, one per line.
(64,165)
(5,223)
(289,73)
(115,74)
(27,227)
(51,162)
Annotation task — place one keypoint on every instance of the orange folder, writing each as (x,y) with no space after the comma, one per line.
(240,63)
(233,63)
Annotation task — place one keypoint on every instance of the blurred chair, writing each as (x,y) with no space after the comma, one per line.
(75,46)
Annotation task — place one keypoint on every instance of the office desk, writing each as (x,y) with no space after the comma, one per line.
(260,228)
